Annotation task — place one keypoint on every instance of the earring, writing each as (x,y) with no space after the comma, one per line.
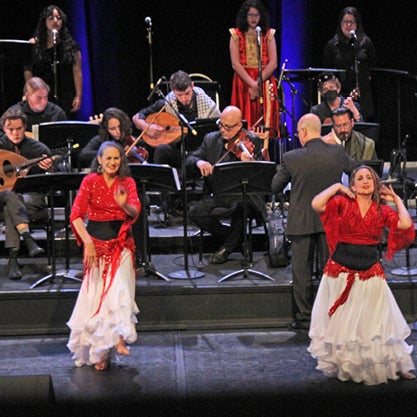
(99,168)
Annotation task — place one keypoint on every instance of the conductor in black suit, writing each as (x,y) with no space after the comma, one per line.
(310,170)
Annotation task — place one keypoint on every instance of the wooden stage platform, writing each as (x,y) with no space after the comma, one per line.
(243,302)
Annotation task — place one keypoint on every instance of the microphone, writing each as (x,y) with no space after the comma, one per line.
(148,21)
(155,89)
(54,35)
(258,32)
(244,149)
(353,35)
(405,141)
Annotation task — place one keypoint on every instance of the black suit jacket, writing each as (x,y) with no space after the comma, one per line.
(211,150)
(310,170)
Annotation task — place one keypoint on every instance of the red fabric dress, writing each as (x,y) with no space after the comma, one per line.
(251,109)
(357,330)
(105,307)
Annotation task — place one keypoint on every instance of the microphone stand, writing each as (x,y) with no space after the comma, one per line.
(407,270)
(186,273)
(294,92)
(356,63)
(260,81)
(149,37)
(55,71)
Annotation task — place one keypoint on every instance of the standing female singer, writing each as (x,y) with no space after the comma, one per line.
(103,320)
(246,94)
(339,52)
(53,44)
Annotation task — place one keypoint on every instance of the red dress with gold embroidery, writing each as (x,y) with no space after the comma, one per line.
(105,307)
(251,109)
(357,330)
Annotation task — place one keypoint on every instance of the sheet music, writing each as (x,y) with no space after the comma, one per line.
(176,179)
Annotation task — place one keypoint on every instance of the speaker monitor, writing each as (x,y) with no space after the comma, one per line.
(28,392)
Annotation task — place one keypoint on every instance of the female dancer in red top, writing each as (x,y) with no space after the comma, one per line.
(357,330)
(103,320)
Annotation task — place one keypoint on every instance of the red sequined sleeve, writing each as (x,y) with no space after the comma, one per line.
(330,220)
(397,238)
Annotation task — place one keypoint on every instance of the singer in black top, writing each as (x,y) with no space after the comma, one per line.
(53,44)
(190,101)
(339,53)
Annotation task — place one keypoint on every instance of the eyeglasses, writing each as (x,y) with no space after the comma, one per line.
(51,18)
(348,22)
(226,127)
(254,15)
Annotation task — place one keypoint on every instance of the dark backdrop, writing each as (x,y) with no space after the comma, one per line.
(193,36)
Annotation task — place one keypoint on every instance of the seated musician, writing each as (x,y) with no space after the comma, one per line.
(36,105)
(356,144)
(115,126)
(329,88)
(19,208)
(219,147)
(190,101)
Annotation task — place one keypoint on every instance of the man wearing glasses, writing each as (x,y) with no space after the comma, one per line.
(216,148)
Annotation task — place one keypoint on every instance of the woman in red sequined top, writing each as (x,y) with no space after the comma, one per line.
(104,317)
(245,62)
(357,330)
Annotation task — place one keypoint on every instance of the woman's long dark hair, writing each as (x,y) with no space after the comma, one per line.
(242,16)
(69,46)
(124,170)
(122,117)
(360,33)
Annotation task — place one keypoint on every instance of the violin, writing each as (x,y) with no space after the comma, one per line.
(241,144)
(135,154)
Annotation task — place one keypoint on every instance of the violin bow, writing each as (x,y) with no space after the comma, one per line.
(144,130)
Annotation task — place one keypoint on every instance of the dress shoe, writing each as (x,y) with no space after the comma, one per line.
(299,326)
(220,256)
(32,246)
(14,271)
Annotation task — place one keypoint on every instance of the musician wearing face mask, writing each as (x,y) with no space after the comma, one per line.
(356,144)
(329,88)
(219,147)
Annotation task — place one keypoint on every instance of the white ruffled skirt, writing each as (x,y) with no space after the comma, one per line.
(93,335)
(363,341)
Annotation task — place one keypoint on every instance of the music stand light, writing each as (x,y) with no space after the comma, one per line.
(153,177)
(244,179)
(50,183)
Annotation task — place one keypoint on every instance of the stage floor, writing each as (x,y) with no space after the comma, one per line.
(182,373)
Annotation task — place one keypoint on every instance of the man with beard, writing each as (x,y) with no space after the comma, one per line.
(356,144)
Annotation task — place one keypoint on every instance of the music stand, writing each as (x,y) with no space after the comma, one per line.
(398,76)
(151,177)
(50,183)
(202,127)
(67,133)
(12,52)
(244,179)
